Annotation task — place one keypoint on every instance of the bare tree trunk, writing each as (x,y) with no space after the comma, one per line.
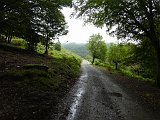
(116,65)
(46,45)
(9,38)
(6,38)
(158,68)
(93,59)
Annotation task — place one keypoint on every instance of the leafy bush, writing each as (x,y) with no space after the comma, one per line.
(19,42)
(131,74)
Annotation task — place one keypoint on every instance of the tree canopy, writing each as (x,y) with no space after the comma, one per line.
(117,54)
(30,19)
(97,47)
(134,19)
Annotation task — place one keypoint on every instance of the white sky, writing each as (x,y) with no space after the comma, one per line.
(79,33)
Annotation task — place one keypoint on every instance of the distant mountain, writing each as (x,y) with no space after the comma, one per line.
(78,48)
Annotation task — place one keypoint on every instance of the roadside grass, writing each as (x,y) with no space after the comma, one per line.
(137,77)
(32,78)
(124,72)
(55,73)
(11,48)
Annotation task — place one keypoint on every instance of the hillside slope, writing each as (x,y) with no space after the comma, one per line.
(33,94)
(79,49)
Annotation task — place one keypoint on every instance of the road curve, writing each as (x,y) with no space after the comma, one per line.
(96,97)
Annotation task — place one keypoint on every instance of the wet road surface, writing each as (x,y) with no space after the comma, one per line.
(96,97)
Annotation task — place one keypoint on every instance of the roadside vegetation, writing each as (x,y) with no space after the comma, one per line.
(123,59)
(135,21)
(57,64)
(35,71)
(27,77)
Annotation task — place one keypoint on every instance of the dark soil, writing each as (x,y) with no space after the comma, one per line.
(146,94)
(25,102)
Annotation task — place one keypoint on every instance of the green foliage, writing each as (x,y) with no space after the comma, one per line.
(137,20)
(40,48)
(55,71)
(143,56)
(138,77)
(33,20)
(58,46)
(32,78)
(97,47)
(11,48)
(70,62)
(19,42)
(56,74)
(117,54)
(36,67)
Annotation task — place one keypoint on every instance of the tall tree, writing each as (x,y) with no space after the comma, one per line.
(143,57)
(134,19)
(117,54)
(97,47)
(42,17)
(14,17)
(49,20)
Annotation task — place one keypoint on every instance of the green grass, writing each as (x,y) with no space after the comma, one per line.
(21,43)
(33,78)
(62,67)
(124,72)
(60,74)
(138,77)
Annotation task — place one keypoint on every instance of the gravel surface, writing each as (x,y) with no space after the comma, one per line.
(96,96)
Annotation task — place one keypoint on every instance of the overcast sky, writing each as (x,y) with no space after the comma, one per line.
(79,33)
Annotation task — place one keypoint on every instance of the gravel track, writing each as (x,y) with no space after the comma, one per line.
(96,96)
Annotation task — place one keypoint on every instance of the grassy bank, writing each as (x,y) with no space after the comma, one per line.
(124,72)
(32,84)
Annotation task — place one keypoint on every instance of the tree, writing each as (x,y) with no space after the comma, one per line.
(12,20)
(143,59)
(117,54)
(134,19)
(34,18)
(50,22)
(97,47)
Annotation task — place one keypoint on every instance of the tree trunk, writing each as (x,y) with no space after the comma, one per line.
(116,64)
(9,38)
(46,46)
(6,38)
(158,68)
(93,59)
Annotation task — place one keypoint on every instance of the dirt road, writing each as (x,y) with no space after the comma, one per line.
(97,97)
